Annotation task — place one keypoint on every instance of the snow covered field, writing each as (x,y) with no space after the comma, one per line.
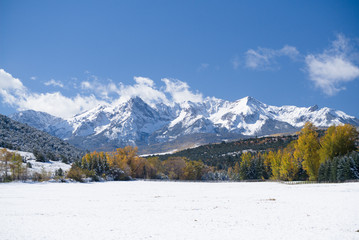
(178,210)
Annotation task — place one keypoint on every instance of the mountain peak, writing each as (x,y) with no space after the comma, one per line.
(252,100)
(313,108)
(249,101)
(135,99)
(137,103)
(249,98)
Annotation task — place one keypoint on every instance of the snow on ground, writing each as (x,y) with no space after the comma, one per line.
(178,210)
(49,166)
(154,154)
(25,155)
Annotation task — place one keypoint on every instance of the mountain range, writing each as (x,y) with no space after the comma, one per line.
(165,127)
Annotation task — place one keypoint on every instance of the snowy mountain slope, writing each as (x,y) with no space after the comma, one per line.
(45,122)
(137,123)
(128,123)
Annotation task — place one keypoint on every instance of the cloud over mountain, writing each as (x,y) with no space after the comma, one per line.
(94,92)
(14,93)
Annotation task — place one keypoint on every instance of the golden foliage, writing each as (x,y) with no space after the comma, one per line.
(307,150)
(338,140)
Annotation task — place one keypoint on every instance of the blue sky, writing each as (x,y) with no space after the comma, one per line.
(64,57)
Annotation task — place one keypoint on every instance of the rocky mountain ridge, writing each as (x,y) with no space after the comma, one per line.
(136,122)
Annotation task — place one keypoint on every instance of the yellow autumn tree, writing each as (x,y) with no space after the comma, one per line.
(275,159)
(338,140)
(307,150)
(16,167)
(5,157)
(194,170)
(289,166)
(125,159)
(154,167)
(266,162)
(174,167)
(230,173)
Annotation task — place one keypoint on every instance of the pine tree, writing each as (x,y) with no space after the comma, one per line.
(321,172)
(344,172)
(354,164)
(333,169)
(260,170)
(324,171)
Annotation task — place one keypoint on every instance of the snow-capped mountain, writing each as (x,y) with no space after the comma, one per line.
(137,123)
(45,122)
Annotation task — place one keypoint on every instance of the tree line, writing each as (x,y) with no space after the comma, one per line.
(224,155)
(330,157)
(125,164)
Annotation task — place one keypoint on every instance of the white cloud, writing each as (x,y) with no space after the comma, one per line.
(265,58)
(288,51)
(8,82)
(58,105)
(54,83)
(10,87)
(103,91)
(145,89)
(14,93)
(180,91)
(258,59)
(332,68)
(33,78)
(144,81)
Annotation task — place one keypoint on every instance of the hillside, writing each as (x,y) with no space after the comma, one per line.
(225,154)
(19,136)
